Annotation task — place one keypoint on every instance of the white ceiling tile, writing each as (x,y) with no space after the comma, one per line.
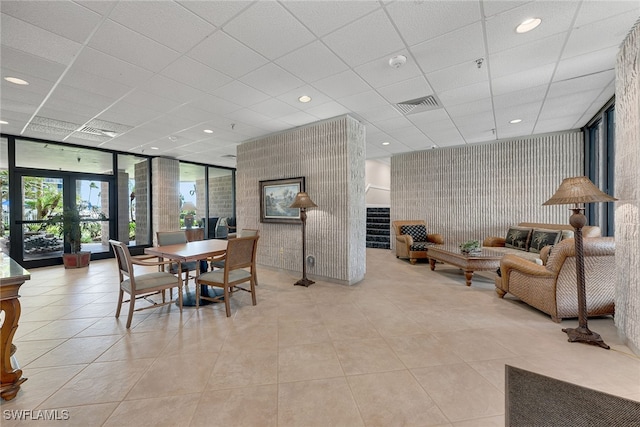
(272,80)
(167,23)
(406,90)
(599,35)
(81,97)
(481,122)
(215,105)
(491,8)
(100,64)
(520,97)
(535,77)
(96,84)
(298,119)
(191,114)
(426,119)
(589,63)
(363,101)
(241,94)
(270,29)
(554,124)
(557,106)
(327,110)
(515,130)
(592,11)
(312,62)
(28,38)
(465,94)
(556,18)
(356,46)
(64,18)
(379,73)
(145,100)
(419,21)
(215,12)
(462,45)
(223,53)
(528,113)
(128,114)
(127,45)
(446,138)
(459,75)
(475,107)
(165,87)
(317,97)
(342,84)
(579,84)
(374,115)
(323,17)
(395,123)
(196,74)
(274,108)
(525,57)
(246,115)
(16,62)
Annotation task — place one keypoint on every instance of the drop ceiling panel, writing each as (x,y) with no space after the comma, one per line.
(424,20)
(525,96)
(225,54)
(556,107)
(536,77)
(465,94)
(132,47)
(579,84)
(190,114)
(100,64)
(140,99)
(323,17)
(312,62)
(273,108)
(592,11)
(462,45)
(168,88)
(215,105)
(96,84)
(298,119)
(475,107)
(525,57)
(556,18)
(269,28)
(246,115)
(317,97)
(28,38)
(342,84)
(167,23)
(129,114)
(241,94)
(454,77)
(363,101)
(215,12)
(379,73)
(327,110)
(528,113)
(356,45)
(406,90)
(16,62)
(491,8)
(196,74)
(446,137)
(374,115)
(66,19)
(592,62)
(599,35)
(272,80)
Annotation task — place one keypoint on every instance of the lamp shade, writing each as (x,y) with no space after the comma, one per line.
(188,206)
(577,190)
(303,201)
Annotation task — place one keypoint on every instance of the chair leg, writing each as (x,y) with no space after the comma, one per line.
(132,304)
(180,298)
(119,303)
(226,300)
(197,285)
(253,289)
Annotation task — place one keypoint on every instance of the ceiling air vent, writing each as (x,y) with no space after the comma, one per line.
(419,105)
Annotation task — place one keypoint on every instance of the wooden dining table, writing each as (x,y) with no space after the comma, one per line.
(191,251)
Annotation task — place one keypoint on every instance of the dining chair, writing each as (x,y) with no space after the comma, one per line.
(142,285)
(240,256)
(245,232)
(174,238)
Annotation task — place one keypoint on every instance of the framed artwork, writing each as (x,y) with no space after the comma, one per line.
(276,196)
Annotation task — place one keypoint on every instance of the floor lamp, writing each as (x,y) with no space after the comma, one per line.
(303,202)
(579,191)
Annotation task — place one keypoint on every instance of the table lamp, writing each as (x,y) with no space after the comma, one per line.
(303,202)
(578,191)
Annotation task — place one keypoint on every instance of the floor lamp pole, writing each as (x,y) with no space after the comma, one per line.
(304,281)
(582,332)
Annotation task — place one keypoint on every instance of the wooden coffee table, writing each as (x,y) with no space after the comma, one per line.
(484,260)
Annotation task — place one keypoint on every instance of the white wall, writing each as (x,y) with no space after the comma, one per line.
(378,183)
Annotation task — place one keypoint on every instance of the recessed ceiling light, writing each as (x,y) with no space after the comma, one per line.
(514,121)
(304,98)
(154,148)
(16,80)
(386,143)
(173,138)
(528,25)
(208,131)
(2,122)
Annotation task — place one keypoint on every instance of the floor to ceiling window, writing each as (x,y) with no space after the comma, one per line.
(4,196)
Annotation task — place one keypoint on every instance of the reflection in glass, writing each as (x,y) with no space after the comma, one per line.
(133,200)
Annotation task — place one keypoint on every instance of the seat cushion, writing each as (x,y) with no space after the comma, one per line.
(518,238)
(150,280)
(186,266)
(541,238)
(420,246)
(417,232)
(218,276)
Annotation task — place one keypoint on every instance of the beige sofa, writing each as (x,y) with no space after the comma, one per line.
(497,243)
(552,287)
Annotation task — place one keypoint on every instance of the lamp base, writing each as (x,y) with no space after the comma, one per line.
(304,282)
(586,336)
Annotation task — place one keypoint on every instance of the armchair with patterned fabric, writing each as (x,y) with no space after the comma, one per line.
(412,239)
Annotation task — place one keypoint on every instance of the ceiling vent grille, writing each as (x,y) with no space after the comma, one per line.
(419,105)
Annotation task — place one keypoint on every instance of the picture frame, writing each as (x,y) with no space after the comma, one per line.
(276,195)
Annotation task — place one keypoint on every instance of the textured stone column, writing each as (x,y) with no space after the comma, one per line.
(143,229)
(331,156)
(123,206)
(165,194)
(627,190)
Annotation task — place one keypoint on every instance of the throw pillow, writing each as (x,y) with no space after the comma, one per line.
(541,238)
(518,238)
(417,232)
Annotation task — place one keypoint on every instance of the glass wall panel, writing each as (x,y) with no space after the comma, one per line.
(193,195)
(4,195)
(30,154)
(134,221)
(222,209)
(42,198)
(92,201)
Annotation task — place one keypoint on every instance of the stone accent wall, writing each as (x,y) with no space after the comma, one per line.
(477,191)
(627,185)
(166,194)
(331,156)
(143,229)
(221,196)
(123,206)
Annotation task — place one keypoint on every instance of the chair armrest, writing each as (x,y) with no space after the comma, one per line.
(511,262)
(435,238)
(405,239)
(142,257)
(494,242)
(544,254)
(151,264)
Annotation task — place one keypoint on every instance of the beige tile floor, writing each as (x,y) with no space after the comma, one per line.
(406,346)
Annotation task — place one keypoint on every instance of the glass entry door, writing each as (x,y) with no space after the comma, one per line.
(42,198)
(92,201)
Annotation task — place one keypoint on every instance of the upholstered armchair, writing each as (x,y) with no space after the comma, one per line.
(552,287)
(412,239)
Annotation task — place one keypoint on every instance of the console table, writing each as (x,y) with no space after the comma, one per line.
(12,276)
(450,254)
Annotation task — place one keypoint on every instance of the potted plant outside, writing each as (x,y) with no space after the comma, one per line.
(71,231)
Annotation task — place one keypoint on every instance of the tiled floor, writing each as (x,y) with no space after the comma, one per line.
(407,346)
